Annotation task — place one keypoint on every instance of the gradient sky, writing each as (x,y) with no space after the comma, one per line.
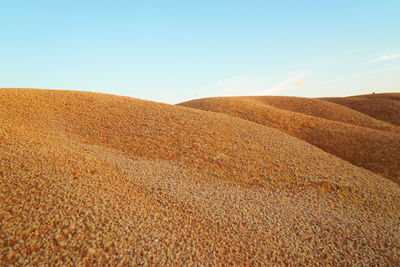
(171,51)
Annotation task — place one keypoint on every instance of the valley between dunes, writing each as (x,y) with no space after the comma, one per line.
(96,179)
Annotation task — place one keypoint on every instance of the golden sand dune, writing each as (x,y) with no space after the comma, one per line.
(375,150)
(385,107)
(90,178)
(327,110)
(393,96)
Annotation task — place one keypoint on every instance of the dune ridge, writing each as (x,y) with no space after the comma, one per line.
(326,110)
(91,178)
(376,150)
(385,107)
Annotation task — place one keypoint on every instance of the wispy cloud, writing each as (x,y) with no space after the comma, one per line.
(383,58)
(299,83)
(286,84)
(244,85)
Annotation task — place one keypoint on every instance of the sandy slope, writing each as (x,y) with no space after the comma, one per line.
(385,107)
(393,96)
(93,178)
(375,150)
(327,110)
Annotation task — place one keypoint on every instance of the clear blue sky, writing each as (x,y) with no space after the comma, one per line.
(171,51)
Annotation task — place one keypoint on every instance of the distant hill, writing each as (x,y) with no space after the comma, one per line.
(326,110)
(98,179)
(385,107)
(333,128)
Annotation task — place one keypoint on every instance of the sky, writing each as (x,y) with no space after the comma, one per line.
(173,51)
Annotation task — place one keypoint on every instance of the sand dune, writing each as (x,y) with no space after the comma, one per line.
(385,107)
(100,179)
(327,110)
(393,96)
(375,150)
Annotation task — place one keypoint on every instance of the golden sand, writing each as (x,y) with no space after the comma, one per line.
(385,107)
(341,131)
(98,179)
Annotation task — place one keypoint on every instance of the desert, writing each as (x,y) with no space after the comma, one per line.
(100,179)
(199,133)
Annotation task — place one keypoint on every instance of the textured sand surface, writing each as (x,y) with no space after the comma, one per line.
(327,110)
(334,129)
(98,179)
(385,107)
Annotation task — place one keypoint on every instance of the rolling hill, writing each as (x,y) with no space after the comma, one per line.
(326,110)
(385,107)
(90,178)
(376,150)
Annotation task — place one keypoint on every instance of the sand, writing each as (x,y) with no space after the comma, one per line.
(343,132)
(99,179)
(384,107)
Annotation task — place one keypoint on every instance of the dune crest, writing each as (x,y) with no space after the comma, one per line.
(385,107)
(340,135)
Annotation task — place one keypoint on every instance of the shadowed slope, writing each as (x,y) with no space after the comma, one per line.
(392,96)
(385,107)
(375,150)
(323,109)
(93,179)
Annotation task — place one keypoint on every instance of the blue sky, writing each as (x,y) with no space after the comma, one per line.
(171,51)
